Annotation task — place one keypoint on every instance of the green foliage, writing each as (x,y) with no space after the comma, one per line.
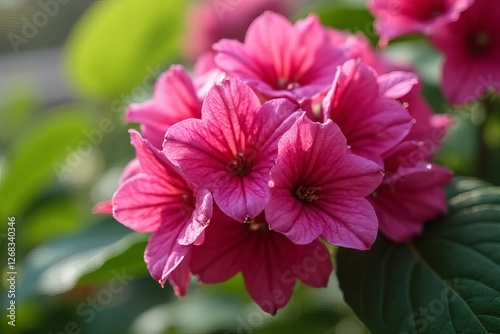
(31,157)
(16,110)
(119,45)
(446,281)
(57,266)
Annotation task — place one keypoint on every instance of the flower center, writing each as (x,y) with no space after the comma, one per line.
(307,193)
(284,84)
(240,166)
(479,42)
(436,13)
(257,224)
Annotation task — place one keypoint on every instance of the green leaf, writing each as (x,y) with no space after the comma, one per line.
(15,111)
(32,156)
(446,281)
(57,267)
(119,45)
(345,17)
(55,215)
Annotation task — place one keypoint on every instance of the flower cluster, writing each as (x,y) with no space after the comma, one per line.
(465,31)
(297,136)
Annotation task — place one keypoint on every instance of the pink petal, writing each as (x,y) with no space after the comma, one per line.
(163,252)
(269,262)
(315,262)
(104,207)
(158,194)
(409,199)
(274,62)
(181,276)
(174,99)
(200,218)
(395,85)
(131,169)
(349,222)
(144,203)
(265,279)
(467,80)
(152,161)
(371,123)
(219,257)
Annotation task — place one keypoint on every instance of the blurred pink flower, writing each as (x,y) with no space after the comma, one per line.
(471,46)
(410,194)
(363,105)
(209,21)
(231,150)
(279,59)
(157,199)
(395,18)
(318,188)
(412,190)
(269,262)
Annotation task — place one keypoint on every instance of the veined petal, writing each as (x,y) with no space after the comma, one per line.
(310,190)
(163,252)
(231,149)
(143,203)
(395,85)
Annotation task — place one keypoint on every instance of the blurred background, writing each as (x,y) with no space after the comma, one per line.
(68,69)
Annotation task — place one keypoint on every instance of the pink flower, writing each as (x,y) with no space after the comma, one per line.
(231,150)
(279,59)
(318,188)
(158,200)
(410,194)
(209,21)
(412,190)
(472,49)
(399,17)
(174,99)
(269,262)
(364,107)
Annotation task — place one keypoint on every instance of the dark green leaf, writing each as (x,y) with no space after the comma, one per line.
(446,281)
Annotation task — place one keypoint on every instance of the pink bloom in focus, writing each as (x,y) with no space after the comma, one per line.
(174,100)
(395,18)
(279,59)
(364,107)
(209,21)
(158,200)
(410,194)
(231,150)
(471,46)
(318,188)
(269,262)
